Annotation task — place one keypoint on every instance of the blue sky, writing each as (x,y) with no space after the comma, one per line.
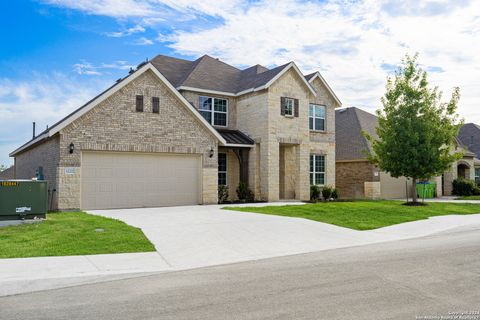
(58,54)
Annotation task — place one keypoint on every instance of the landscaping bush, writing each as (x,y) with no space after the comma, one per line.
(222,194)
(334,194)
(314,193)
(244,193)
(327,192)
(463,187)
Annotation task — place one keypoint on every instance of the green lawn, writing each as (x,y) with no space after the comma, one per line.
(469,198)
(71,233)
(364,215)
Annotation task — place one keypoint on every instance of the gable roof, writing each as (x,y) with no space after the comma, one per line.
(469,136)
(211,75)
(312,76)
(350,144)
(51,131)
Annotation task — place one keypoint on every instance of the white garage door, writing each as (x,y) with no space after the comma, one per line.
(130,180)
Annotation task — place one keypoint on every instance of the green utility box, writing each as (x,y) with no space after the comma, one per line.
(23,199)
(426,190)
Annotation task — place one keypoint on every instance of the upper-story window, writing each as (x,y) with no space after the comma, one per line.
(317,117)
(214,110)
(288,107)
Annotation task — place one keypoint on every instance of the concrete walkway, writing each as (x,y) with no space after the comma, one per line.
(198,236)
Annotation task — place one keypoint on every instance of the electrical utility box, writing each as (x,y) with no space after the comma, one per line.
(23,199)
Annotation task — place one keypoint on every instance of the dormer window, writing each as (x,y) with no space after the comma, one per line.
(214,110)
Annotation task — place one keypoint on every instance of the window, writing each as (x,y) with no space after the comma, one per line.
(289,106)
(317,169)
(477,175)
(222,169)
(317,117)
(214,110)
(139,104)
(155,105)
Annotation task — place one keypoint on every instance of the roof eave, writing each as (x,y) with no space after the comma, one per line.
(318,75)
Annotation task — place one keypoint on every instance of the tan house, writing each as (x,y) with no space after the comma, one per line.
(173,130)
(357,178)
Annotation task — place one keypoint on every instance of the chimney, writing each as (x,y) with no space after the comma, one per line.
(33,129)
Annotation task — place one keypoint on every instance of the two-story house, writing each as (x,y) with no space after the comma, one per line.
(173,130)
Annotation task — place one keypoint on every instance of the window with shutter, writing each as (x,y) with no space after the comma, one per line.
(287,106)
(155,105)
(139,104)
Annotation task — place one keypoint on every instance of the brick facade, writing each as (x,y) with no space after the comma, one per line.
(357,180)
(46,155)
(278,163)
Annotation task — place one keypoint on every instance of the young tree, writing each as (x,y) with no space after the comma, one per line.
(416,131)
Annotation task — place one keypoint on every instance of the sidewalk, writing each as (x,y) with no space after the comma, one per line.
(447,199)
(299,235)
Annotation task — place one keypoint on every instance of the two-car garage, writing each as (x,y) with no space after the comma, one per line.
(112,180)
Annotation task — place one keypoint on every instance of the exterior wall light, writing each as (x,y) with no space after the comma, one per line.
(210,154)
(71,147)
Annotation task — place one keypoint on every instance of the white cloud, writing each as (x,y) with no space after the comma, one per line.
(127,32)
(143,42)
(44,99)
(112,8)
(89,69)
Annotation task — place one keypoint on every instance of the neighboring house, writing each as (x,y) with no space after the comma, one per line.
(469,136)
(173,130)
(7,174)
(357,178)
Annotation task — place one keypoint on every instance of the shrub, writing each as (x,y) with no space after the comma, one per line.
(327,192)
(222,194)
(335,194)
(463,187)
(244,193)
(314,193)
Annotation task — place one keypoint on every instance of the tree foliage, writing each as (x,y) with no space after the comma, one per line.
(416,131)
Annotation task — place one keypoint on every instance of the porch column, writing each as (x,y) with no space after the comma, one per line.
(242,156)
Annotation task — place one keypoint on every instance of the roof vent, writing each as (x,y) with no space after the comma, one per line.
(131,71)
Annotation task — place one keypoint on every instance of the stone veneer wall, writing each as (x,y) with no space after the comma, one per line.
(252,119)
(351,178)
(452,174)
(46,155)
(114,125)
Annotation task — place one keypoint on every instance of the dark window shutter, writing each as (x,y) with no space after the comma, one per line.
(296,108)
(139,104)
(282,106)
(155,105)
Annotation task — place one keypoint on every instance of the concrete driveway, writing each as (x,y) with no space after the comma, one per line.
(197,236)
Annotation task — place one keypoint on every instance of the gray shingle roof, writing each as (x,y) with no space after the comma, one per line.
(352,145)
(469,136)
(212,74)
(350,142)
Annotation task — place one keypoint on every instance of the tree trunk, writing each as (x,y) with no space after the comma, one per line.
(414,190)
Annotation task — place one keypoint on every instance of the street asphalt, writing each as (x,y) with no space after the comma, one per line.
(422,278)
